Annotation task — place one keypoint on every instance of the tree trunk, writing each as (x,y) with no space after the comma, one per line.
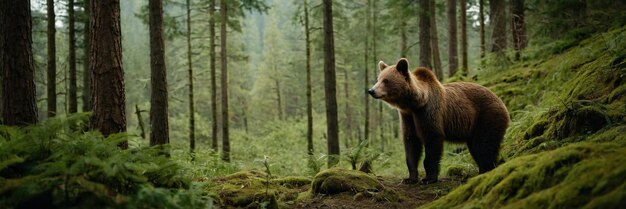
(52,63)
(159,126)
(453,59)
(192,116)
(73,100)
(224,83)
(366,81)
(278,99)
(424,34)
(518,27)
(403,44)
(346,89)
(434,42)
(86,57)
(498,35)
(107,73)
(481,19)
(330,86)
(375,55)
(464,64)
(213,79)
(140,122)
(309,100)
(16,64)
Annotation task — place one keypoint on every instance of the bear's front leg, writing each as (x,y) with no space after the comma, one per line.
(434,149)
(412,147)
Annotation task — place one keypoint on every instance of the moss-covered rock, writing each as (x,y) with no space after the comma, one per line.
(338,180)
(251,189)
(581,175)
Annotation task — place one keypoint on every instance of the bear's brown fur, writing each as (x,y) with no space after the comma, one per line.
(431,113)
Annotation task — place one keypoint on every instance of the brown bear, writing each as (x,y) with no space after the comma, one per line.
(431,113)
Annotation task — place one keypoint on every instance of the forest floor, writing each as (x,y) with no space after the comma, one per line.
(414,195)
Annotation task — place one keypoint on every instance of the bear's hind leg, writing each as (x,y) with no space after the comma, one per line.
(484,147)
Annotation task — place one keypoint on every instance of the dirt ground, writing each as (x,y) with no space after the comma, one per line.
(412,196)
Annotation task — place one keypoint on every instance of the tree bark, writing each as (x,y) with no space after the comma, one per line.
(424,34)
(366,126)
(518,27)
(192,116)
(52,63)
(403,44)
(278,99)
(375,55)
(346,89)
(86,57)
(73,100)
(498,35)
(159,125)
(330,86)
(107,73)
(464,64)
(214,142)
(434,42)
(309,100)
(453,59)
(224,83)
(481,19)
(16,64)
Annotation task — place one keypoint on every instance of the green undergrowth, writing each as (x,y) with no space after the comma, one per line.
(256,189)
(50,166)
(565,144)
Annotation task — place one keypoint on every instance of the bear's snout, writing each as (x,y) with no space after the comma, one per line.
(372,92)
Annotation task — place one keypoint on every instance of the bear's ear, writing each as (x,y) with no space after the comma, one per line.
(403,66)
(381,65)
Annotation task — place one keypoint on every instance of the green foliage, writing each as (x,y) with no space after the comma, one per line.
(49,165)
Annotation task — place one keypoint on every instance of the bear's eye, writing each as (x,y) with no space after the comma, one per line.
(385,81)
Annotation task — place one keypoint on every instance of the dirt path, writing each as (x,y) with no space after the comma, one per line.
(411,196)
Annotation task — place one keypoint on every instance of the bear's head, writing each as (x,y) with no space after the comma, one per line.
(397,86)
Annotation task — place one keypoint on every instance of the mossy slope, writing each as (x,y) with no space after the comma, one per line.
(566,143)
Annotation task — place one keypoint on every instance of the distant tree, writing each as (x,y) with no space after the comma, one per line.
(86,57)
(224,82)
(330,85)
(213,71)
(498,20)
(424,28)
(464,65)
(73,100)
(16,64)
(453,60)
(518,27)
(481,22)
(159,133)
(366,79)
(309,100)
(192,117)
(434,41)
(52,63)
(107,73)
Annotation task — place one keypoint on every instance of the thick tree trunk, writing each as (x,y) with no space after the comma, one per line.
(464,64)
(73,100)
(309,100)
(86,57)
(107,73)
(424,34)
(453,59)
(192,116)
(498,35)
(52,63)
(330,86)
(159,125)
(518,27)
(434,42)
(366,80)
(224,83)
(16,64)
(214,142)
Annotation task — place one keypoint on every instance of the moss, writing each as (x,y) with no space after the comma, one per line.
(457,171)
(338,180)
(584,174)
(251,189)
